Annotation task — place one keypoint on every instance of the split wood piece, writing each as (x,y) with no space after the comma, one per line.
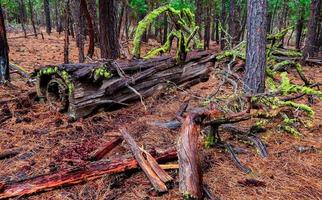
(164,176)
(9,154)
(86,94)
(190,176)
(105,149)
(76,175)
(152,175)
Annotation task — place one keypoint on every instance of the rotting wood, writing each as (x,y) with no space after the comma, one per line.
(190,175)
(82,91)
(76,175)
(152,175)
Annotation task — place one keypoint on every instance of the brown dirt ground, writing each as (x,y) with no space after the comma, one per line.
(49,142)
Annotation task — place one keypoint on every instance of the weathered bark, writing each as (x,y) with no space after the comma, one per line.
(67,177)
(120,20)
(4,51)
(90,27)
(190,176)
(110,47)
(144,164)
(165,28)
(310,44)
(32,17)
(144,77)
(256,47)
(47,16)
(232,30)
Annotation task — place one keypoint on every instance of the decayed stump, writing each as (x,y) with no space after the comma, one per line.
(190,175)
(81,89)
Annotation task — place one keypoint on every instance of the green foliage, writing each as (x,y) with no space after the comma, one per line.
(140,6)
(101,73)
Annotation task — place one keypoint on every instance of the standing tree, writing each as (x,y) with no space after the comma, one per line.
(310,44)
(47,15)
(110,47)
(32,17)
(4,49)
(256,46)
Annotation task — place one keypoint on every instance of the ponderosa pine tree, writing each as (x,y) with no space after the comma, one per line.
(311,42)
(4,49)
(110,47)
(256,46)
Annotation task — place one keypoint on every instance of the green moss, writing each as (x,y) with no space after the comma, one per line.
(299,106)
(288,53)
(287,87)
(231,53)
(143,25)
(102,73)
(209,140)
(291,130)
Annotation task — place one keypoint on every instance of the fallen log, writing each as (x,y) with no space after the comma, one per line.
(81,89)
(76,175)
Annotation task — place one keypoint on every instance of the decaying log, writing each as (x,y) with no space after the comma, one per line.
(80,89)
(105,149)
(76,175)
(190,176)
(155,174)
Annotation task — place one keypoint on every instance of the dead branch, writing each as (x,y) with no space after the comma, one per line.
(105,149)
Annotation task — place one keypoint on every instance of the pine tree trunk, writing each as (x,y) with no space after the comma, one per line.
(223,22)
(299,30)
(79,26)
(23,17)
(4,51)
(199,16)
(232,24)
(207,28)
(32,17)
(165,28)
(310,46)
(256,46)
(91,4)
(66,29)
(47,15)
(90,28)
(110,47)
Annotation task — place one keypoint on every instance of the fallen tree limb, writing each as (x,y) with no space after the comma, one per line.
(76,175)
(152,175)
(105,149)
(9,154)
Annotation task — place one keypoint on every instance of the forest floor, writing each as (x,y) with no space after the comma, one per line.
(48,142)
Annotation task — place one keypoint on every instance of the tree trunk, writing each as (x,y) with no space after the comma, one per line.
(47,15)
(56,16)
(110,47)
(217,29)
(119,26)
(4,51)
(199,16)
(269,21)
(256,46)
(92,8)
(310,46)
(66,29)
(299,30)
(223,22)
(165,28)
(91,33)
(32,17)
(77,14)
(232,24)
(23,19)
(207,28)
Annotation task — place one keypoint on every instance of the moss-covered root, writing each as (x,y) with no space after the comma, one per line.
(142,26)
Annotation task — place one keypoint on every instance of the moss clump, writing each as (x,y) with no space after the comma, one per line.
(48,71)
(231,53)
(102,73)
(288,53)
